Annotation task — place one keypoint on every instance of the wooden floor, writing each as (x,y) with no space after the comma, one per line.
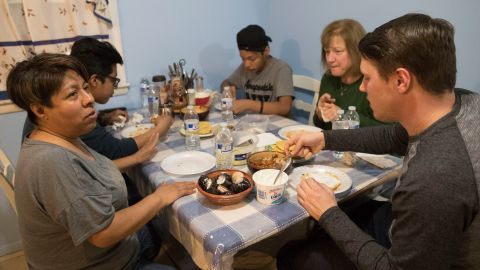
(16,260)
(13,261)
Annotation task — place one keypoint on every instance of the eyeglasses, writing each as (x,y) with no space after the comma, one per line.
(115,80)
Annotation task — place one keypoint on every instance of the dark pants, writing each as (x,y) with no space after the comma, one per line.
(319,251)
(149,248)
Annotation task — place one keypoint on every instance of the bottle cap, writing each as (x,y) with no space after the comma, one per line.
(340,111)
(190,107)
(159,78)
(191,91)
(352,108)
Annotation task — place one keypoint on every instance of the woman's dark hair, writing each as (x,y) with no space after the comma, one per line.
(419,43)
(36,80)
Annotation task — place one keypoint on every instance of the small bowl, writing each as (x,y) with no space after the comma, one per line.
(202,98)
(226,199)
(265,160)
(202,112)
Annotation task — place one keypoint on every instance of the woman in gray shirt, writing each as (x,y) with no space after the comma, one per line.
(72,201)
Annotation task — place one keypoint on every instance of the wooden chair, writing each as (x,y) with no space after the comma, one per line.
(7,179)
(312,85)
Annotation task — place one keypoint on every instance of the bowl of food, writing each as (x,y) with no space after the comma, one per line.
(225,187)
(266,160)
(202,112)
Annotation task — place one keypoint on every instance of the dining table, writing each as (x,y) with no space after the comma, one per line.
(213,234)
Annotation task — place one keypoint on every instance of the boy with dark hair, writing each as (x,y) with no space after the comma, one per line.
(266,80)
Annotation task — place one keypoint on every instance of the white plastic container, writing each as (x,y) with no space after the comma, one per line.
(267,192)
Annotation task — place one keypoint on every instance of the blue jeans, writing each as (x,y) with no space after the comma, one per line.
(149,248)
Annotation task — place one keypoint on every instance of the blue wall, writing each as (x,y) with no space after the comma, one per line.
(157,33)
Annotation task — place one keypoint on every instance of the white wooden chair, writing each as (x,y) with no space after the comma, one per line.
(7,179)
(309,84)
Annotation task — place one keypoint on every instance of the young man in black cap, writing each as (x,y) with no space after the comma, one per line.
(266,80)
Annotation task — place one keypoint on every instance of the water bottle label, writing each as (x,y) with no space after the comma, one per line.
(354,124)
(191,125)
(224,147)
(227,102)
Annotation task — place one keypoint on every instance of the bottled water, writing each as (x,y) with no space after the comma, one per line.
(192,139)
(353,117)
(153,97)
(227,103)
(143,94)
(224,147)
(349,158)
(339,123)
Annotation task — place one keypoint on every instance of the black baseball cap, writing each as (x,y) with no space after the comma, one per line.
(252,38)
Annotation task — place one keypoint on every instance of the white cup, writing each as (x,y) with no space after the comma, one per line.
(267,192)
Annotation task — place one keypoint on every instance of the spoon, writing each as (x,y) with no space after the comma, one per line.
(288,160)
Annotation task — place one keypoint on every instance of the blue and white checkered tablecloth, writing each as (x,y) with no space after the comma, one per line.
(213,234)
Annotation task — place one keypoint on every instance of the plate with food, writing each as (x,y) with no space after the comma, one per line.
(335,179)
(288,132)
(205,129)
(188,163)
(135,130)
(279,147)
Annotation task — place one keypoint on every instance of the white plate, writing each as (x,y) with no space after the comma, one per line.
(323,174)
(187,163)
(135,130)
(182,131)
(284,131)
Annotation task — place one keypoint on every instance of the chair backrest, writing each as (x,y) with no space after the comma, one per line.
(309,84)
(7,179)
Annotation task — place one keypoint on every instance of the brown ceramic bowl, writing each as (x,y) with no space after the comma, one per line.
(226,199)
(202,112)
(266,160)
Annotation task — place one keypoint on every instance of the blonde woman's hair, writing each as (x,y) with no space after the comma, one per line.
(351,32)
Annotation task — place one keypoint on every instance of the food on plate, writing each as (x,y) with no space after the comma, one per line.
(280,146)
(265,160)
(139,130)
(204,127)
(224,183)
(334,184)
(292,133)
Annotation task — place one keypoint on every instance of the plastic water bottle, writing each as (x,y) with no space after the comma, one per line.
(353,117)
(144,85)
(349,158)
(227,103)
(153,98)
(224,147)
(339,123)
(190,120)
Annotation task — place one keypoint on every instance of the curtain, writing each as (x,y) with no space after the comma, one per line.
(31,27)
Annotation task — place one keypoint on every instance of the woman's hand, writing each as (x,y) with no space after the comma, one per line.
(326,108)
(170,192)
(315,197)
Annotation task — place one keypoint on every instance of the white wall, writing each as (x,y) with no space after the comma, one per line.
(157,33)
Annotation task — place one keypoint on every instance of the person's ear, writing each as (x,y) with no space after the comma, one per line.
(403,80)
(39,111)
(266,51)
(93,81)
